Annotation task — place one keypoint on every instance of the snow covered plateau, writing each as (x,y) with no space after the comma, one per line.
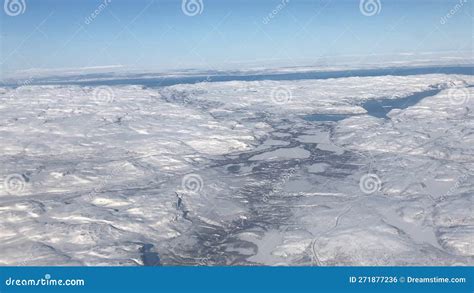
(239,172)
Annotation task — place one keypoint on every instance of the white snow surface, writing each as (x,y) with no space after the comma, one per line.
(100,179)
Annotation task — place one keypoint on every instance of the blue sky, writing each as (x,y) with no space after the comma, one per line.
(157,35)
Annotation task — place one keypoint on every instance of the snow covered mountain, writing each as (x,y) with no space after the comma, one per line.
(239,173)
